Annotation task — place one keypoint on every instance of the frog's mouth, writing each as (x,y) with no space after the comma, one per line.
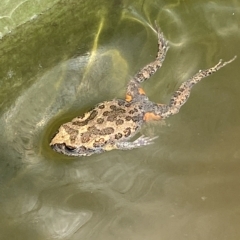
(71,151)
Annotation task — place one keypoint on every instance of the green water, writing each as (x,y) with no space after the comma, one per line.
(79,53)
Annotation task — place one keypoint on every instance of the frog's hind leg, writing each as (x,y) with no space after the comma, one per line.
(133,88)
(180,97)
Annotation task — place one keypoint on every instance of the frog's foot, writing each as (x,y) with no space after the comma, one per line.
(162,45)
(133,88)
(141,141)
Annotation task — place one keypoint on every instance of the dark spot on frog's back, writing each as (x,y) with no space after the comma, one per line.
(119,122)
(102,106)
(120,102)
(121,110)
(107,131)
(106,113)
(80,123)
(73,138)
(72,132)
(85,137)
(69,130)
(131,112)
(93,130)
(81,117)
(113,107)
(137,118)
(127,132)
(111,118)
(128,118)
(93,114)
(100,120)
(118,136)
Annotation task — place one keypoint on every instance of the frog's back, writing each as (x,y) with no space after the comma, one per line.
(107,123)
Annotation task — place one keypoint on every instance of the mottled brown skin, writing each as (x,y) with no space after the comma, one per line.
(111,124)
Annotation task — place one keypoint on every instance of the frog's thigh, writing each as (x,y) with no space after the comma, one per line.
(128,98)
(150,116)
(130,95)
(141,91)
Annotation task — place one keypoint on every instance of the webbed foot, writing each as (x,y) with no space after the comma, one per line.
(139,142)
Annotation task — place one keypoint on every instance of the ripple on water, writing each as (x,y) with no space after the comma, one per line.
(59,223)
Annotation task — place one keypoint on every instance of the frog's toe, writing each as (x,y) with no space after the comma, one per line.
(143,141)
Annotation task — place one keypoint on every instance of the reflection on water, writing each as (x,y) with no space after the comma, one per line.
(185,186)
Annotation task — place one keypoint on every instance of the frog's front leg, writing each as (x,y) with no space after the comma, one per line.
(133,88)
(180,97)
(139,142)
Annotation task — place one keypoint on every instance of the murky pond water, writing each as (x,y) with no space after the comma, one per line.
(185,186)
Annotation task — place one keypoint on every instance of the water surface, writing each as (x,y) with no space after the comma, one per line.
(185,186)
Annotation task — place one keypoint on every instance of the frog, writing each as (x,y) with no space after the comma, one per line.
(112,124)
